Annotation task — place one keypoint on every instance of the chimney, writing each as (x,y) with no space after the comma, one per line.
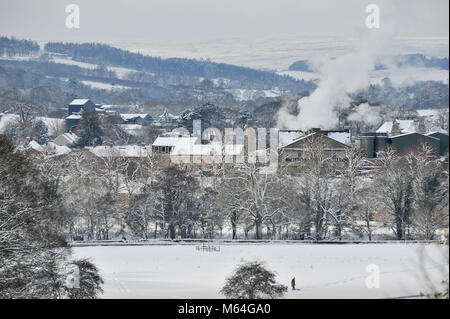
(250,138)
(313,130)
(395,130)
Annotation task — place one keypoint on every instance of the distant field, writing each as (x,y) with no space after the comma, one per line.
(321,271)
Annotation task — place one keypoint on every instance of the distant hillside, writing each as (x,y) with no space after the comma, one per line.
(399,61)
(106,55)
(413,60)
(14,47)
(301,65)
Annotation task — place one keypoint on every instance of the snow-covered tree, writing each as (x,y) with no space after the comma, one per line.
(430,186)
(252,281)
(40,131)
(33,254)
(394,186)
(261,194)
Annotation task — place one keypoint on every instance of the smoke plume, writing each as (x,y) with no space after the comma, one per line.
(338,78)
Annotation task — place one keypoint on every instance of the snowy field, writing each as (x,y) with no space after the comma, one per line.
(321,271)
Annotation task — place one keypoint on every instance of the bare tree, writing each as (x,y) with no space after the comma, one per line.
(430,186)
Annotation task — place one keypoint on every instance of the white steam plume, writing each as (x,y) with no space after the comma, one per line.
(366,114)
(338,78)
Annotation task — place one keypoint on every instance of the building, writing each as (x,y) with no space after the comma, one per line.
(77,105)
(136,118)
(163,146)
(206,154)
(372,143)
(443,141)
(334,143)
(66,139)
(407,142)
(124,151)
(166,121)
(72,121)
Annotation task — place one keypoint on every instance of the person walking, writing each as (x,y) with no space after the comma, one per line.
(293,283)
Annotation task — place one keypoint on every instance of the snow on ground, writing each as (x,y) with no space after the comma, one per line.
(68,61)
(53,124)
(121,73)
(104,86)
(321,271)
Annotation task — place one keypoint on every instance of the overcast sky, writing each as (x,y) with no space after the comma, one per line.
(110,20)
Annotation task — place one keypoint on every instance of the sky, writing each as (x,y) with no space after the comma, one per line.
(173,20)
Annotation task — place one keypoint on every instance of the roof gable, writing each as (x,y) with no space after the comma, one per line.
(329,142)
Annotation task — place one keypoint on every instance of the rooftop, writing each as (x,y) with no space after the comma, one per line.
(79,102)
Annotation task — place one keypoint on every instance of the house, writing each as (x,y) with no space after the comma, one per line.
(66,139)
(125,151)
(136,118)
(133,129)
(333,143)
(31,147)
(49,149)
(206,154)
(81,104)
(166,121)
(163,146)
(285,137)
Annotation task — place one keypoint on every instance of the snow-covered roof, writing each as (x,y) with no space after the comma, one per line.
(74,117)
(431,112)
(173,141)
(130,116)
(53,149)
(35,145)
(166,116)
(300,138)
(406,126)
(79,102)
(207,149)
(120,151)
(69,137)
(440,131)
(405,134)
(314,133)
(341,137)
(133,129)
(285,137)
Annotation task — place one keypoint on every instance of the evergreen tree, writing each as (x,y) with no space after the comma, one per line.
(89,129)
(12,130)
(40,132)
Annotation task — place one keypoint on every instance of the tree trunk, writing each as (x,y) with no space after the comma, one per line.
(258,225)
